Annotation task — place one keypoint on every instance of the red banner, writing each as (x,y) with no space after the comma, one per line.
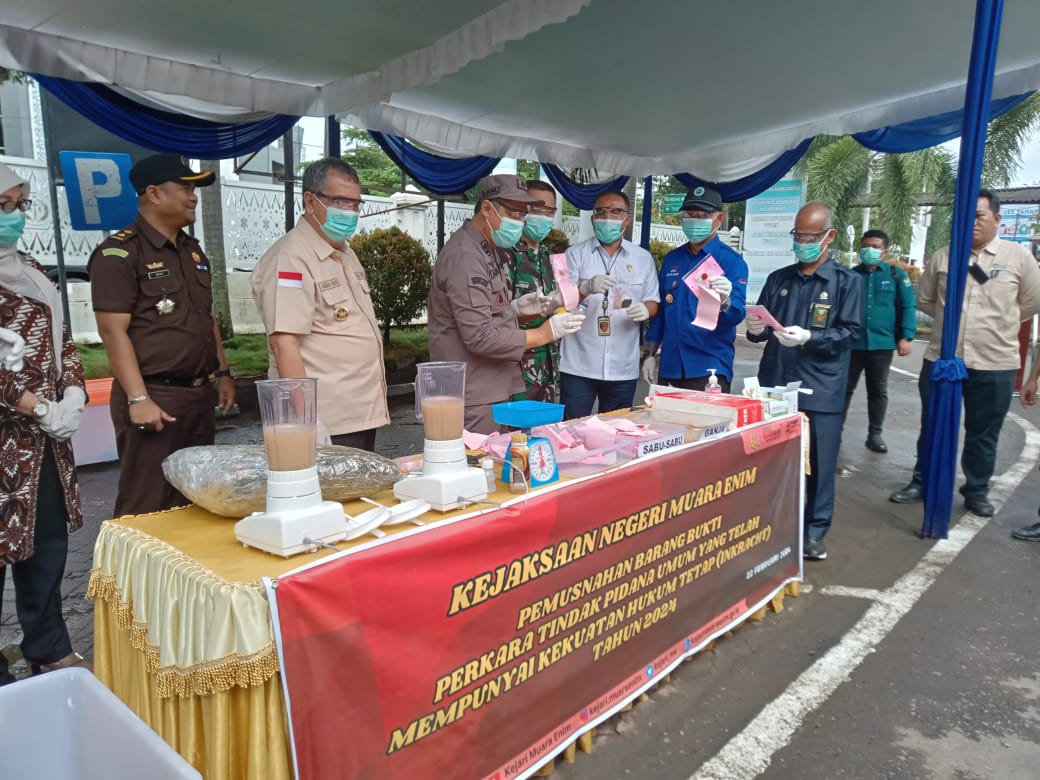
(479,648)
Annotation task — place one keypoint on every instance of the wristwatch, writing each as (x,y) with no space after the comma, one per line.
(229,371)
(40,408)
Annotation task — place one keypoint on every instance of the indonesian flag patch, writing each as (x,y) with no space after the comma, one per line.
(290,279)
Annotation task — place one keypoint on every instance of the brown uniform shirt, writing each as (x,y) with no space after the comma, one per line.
(471,319)
(132,272)
(303,285)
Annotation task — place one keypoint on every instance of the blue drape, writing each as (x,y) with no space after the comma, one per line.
(753,184)
(439,175)
(944,408)
(930,131)
(581,195)
(165,131)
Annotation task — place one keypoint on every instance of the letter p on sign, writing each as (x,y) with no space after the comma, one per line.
(98,189)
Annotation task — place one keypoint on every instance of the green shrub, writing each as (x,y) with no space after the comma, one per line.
(557,241)
(399,270)
(659,249)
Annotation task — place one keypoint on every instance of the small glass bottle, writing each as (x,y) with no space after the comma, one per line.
(488,465)
(520,472)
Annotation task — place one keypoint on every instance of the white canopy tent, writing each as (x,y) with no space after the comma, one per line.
(716,89)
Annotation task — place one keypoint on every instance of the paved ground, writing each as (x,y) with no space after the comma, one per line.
(890,665)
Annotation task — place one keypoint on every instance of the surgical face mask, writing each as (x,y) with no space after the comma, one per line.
(808,253)
(537,226)
(697,229)
(869,255)
(339,224)
(11,227)
(608,231)
(508,233)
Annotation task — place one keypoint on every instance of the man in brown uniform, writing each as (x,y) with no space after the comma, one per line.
(151,292)
(472,316)
(316,307)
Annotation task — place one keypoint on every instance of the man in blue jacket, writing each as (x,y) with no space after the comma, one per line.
(820,304)
(689,352)
(889,323)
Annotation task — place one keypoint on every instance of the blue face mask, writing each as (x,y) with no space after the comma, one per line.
(808,253)
(339,224)
(697,229)
(608,231)
(537,226)
(869,255)
(11,227)
(508,233)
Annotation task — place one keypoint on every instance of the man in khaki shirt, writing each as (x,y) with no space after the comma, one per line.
(316,307)
(1002,291)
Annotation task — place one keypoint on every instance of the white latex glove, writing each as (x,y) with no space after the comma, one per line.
(322,436)
(722,286)
(529,304)
(638,312)
(754,325)
(61,420)
(792,336)
(12,348)
(599,283)
(552,302)
(74,397)
(565,323)
(650,369)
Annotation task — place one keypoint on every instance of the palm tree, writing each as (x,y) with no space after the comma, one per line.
(839,170)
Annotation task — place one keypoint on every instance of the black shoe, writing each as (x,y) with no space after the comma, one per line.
(979,505)
(911,494)
(1031,533)
(876,443)
(813,550)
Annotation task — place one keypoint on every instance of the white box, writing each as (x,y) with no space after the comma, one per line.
(65,724)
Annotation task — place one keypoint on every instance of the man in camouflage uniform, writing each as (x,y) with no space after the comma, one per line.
(531,269)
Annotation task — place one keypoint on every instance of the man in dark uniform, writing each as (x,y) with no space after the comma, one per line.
(820,303)
(150,285)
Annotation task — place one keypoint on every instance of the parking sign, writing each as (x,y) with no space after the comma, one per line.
(97,185)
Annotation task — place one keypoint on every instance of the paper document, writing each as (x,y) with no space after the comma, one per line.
(763,314)
(568,289)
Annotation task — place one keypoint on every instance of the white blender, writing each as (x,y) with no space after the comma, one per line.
(295,511)
(446,481)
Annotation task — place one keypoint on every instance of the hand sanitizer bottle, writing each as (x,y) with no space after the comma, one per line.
(713,383)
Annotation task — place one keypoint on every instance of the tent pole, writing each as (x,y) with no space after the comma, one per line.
(939,455)
(289,178)
(648,196)
(52,186)
(333,137)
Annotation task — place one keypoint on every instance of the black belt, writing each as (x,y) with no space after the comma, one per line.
(176,381)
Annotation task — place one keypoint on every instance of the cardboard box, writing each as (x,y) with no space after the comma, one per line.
(705,410)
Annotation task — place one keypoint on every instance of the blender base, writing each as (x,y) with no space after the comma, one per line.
(444,492)
(282,533)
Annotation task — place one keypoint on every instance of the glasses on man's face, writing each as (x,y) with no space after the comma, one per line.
(512,212)
(10,206)
(543,211)
(609,213)
(808,238)
(346,204)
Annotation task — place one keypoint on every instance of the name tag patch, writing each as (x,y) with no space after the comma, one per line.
(159,274)
(327,284)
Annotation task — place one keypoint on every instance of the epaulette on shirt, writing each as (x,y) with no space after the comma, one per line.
(120,237)
(123,234)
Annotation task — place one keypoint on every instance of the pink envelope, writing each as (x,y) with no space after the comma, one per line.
(568,289)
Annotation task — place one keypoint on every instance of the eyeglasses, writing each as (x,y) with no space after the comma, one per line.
(543,211)
(10,206)
(806,238)
(346,204)
(511,211)
(612,213)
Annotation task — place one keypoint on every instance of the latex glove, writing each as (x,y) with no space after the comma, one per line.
(74,397)
(599,283)
(61,420)
(754,325)
(552,302)
(323,437)
(792,336)
(638,312)
(565,323)
(722,286)
(650,369)
(12,348)
(528,304)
